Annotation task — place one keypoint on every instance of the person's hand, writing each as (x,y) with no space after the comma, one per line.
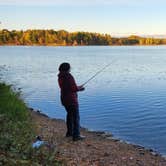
(81,88)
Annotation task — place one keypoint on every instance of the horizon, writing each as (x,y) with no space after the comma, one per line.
(117,18)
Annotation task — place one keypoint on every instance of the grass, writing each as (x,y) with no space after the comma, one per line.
(17,133)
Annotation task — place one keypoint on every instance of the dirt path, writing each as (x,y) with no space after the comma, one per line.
(98,149)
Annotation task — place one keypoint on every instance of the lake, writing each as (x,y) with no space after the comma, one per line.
(127,99)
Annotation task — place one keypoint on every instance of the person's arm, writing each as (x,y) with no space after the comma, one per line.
(73,85)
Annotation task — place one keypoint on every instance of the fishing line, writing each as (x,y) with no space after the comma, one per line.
(96,74)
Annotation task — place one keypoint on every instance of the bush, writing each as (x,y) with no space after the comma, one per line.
(17,134)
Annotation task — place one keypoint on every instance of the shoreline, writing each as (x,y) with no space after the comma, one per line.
(99,148)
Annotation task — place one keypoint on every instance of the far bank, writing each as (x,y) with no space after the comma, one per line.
(65,38)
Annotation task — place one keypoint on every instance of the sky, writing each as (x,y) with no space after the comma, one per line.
(114,17)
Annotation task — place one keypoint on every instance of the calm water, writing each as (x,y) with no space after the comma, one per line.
(127,99)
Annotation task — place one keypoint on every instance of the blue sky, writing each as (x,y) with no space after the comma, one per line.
(115,17)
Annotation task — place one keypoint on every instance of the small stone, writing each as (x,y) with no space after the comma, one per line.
(124,158)
(131,158)
(142,153)
(106,154)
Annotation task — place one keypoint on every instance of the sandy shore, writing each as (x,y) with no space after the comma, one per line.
(98,149)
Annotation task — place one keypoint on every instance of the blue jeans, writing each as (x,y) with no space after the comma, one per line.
(72,121)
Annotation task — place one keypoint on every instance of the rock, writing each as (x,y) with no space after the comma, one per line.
(131,158)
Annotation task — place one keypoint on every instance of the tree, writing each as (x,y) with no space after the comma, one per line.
(62,37)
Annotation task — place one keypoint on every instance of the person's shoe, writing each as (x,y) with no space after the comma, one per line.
(69,135)
(78,138)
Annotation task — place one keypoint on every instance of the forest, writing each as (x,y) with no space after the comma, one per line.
(65,38)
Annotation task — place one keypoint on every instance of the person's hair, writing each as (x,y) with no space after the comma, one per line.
(64,67)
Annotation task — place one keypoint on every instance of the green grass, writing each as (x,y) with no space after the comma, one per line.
(17,133)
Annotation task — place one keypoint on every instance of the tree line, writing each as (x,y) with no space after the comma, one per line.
(64,38)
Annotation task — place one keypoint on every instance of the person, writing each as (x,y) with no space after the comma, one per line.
(69,100)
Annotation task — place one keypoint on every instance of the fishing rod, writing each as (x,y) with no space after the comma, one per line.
(97,73)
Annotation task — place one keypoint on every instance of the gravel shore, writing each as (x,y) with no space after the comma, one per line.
(98,149)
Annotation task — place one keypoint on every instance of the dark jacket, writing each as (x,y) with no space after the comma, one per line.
(68,89)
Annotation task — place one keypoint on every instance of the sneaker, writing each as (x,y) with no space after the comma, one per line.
(78,138)
(69,135)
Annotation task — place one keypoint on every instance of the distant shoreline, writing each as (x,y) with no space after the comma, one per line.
(50,37)
(35,45)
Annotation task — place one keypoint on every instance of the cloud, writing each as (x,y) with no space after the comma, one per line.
(79,2)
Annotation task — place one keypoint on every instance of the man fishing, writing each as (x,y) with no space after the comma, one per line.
(69,100)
